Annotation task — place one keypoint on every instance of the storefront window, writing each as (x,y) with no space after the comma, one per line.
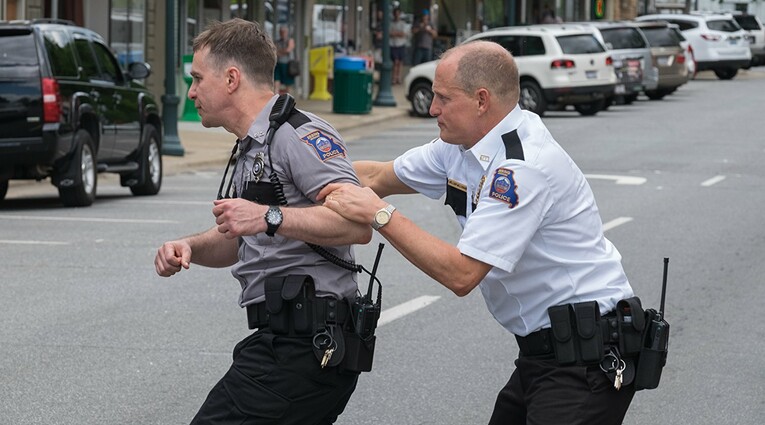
(127,29)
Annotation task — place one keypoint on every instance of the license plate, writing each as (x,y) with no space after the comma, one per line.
(591,74)
(733,42)
(637,88)
(620,89)
(663,61)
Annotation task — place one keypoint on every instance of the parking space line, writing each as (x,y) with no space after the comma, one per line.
(10,242)
(87,219)
(713,180)
(401,310)
(616,222)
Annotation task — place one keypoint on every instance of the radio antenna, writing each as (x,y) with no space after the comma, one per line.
(374,270)
(664,286)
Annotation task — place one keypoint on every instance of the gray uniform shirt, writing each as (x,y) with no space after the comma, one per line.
(307,154)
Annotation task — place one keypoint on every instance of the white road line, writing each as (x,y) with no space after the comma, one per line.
(713,180)
(10,242)
(87,219)
(616,222)
(146,201)
(631,180)
(403,309)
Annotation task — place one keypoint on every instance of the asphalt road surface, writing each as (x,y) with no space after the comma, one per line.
(91,335)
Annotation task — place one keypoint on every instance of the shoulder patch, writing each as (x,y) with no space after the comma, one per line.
(325,146)
(503,187)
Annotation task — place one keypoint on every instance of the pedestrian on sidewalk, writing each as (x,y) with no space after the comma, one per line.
(285,50)
(532,237)
(398,39)
(263,223)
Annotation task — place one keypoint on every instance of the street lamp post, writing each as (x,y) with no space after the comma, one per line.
(172,143)
(385,94)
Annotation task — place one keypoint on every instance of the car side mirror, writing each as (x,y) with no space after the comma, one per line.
(138,70)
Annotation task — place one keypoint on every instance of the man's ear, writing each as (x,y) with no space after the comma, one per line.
(484,99)
(233,78)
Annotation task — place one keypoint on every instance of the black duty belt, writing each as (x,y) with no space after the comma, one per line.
(326,311)
(540,343)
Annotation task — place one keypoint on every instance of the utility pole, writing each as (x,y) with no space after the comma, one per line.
(385,94)
(171,144)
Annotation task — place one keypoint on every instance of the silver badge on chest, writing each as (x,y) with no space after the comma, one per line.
(258,167)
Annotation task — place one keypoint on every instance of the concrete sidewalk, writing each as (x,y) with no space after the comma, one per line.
(211,147)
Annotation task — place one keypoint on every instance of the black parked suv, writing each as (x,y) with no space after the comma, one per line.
(68,111)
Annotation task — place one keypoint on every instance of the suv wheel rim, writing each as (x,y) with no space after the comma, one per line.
(87,169)
(155,169)
(528,100)
(422,101)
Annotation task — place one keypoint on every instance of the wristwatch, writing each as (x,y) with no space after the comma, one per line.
(274,219)
(382,217)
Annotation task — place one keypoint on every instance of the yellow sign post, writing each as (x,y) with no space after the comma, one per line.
(321,60)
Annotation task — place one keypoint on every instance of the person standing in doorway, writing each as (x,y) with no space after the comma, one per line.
(424,34)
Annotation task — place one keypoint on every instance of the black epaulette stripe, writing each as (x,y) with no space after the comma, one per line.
(297,119)
(513,147)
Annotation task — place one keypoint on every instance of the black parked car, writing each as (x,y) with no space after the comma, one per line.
(68,111)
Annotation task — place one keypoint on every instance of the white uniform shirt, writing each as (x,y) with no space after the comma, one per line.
(532,217)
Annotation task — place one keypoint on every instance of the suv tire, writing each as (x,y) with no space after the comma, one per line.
(591,108)
(422,97)
(657,94)
(726,73)
(150,164)
(531,98)
(83,192)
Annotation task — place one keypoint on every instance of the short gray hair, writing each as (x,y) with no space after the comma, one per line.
(486,64)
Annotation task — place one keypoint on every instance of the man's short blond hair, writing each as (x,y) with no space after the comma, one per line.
(243,43)
(486,64)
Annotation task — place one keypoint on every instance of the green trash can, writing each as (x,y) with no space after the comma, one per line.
(352,92)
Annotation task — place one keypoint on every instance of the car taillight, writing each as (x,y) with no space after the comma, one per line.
(562,64)
(680,58)
(609,61)
(711,37)
(51,100)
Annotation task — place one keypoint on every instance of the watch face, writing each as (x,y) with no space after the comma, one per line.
(382,217)
(274,216)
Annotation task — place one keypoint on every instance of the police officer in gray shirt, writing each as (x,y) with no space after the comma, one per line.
(284,373)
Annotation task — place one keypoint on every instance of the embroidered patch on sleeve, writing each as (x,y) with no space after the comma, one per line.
(324,145)
(503,187)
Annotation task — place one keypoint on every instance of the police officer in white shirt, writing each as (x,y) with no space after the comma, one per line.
(500,168)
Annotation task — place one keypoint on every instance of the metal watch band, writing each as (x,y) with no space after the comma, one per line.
(382,217)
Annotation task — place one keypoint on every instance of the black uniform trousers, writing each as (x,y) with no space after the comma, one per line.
(540,392)
(276,379)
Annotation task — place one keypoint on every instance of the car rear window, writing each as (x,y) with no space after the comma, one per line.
(661,37)
(61,54)
(17,49)
(724,25)
(623,38)
(520,45)
(747,22)
(580,44)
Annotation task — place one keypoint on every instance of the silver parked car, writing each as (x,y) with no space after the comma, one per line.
(631,54)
